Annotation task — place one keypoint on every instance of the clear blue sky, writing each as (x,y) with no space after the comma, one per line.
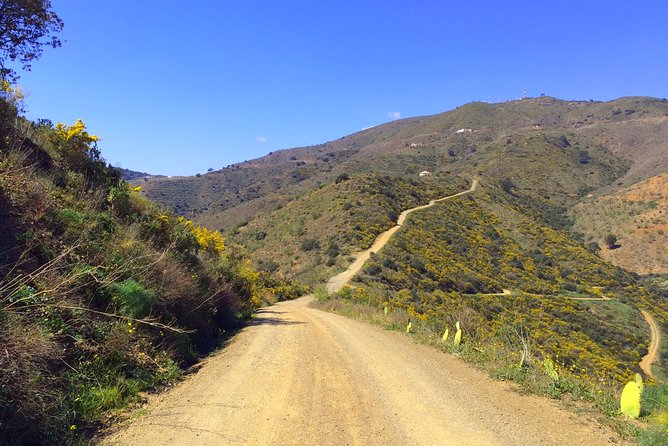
(176,87)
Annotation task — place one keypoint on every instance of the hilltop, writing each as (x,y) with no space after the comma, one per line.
(129,175)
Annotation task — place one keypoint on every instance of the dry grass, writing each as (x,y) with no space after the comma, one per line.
(638,216)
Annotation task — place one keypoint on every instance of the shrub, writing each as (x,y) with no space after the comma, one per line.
(593,247)
(611,241)
(333,250)
(373,269)
(341,178)
(132,299)
(119,199)
(507,185)
(268,266)
(310,245)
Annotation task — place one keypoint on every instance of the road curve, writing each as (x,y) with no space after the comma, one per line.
(653,349)
(298,376)
(340,280)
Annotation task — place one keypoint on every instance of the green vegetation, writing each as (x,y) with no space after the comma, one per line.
(25,27)
(102,293)
(611,240)
(445,258)
(311,237)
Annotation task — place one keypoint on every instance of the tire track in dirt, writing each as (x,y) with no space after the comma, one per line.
(654,344)
(299,375)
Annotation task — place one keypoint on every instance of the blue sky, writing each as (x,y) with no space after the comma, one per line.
(177,87)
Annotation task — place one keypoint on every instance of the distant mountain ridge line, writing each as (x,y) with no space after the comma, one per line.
(562,150)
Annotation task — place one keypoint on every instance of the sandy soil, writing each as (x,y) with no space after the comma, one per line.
(303,376)
(637,215)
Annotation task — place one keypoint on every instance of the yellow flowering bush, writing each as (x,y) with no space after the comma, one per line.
(209,241)
(75,145)
(13,95)
(74,133)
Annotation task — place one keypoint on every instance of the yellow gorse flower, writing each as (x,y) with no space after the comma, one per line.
(75,131)
(210,241)
(187,223)
(12,93)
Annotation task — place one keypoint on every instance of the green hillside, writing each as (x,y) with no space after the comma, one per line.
(443,261)
(311,237)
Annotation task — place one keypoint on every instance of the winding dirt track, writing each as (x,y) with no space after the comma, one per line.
(340,280)
(300,376)
(655,342)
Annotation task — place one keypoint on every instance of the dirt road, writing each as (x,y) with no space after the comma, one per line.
(653,350)
(340,280)
(300,376)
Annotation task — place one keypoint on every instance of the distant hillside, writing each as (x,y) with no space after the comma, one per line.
(553,150)
(129,175)
(637,215)
(311,237)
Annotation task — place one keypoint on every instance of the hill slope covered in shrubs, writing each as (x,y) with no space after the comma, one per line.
(102,293)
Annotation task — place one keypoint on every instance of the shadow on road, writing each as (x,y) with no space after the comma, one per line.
(262,319)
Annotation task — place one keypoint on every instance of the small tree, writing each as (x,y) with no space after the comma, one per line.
(611,241)
(310,245)
(25,27)
(341,178)
(593,247)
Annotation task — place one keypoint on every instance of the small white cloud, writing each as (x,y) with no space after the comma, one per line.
(394,115)
(262,139)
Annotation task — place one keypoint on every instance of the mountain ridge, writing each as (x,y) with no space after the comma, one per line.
(563,150)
